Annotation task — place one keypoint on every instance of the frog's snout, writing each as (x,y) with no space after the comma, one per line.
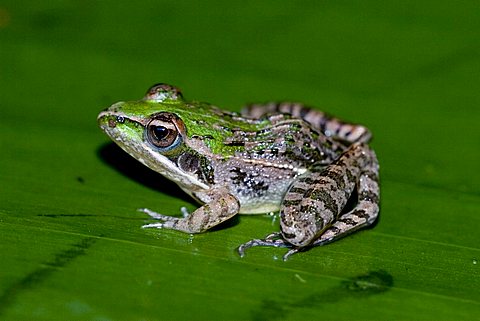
(109,117)
(112,123)
(106,120)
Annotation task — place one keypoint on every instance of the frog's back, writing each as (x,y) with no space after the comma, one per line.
(269,158)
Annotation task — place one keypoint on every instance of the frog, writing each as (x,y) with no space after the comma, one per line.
(316,170)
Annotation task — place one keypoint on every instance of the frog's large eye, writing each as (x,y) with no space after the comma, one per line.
(162,92)
(163,132)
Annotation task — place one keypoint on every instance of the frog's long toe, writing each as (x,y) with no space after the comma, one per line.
(287,255)
(153,225)
(274,239)
(184,211)
(153,214)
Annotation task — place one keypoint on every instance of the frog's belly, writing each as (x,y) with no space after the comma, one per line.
(259,186)
(255,202)
(260,208)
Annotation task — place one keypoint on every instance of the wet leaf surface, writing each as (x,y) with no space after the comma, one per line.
(70,237)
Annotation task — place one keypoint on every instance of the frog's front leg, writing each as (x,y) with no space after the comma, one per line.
(310,214)
(220,208)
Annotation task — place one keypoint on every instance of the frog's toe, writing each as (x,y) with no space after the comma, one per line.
(154,225)
(153,214)
(184,211)
(287,255)
(273,239)
(243,247)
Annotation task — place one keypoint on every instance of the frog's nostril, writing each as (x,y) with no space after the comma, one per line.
(112,123)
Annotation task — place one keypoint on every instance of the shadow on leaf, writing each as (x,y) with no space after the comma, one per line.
(360,287)
(114,156)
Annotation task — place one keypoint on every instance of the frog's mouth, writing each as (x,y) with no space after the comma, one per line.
(128,133)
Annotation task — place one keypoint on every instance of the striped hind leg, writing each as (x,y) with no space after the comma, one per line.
(311,213)
(312,210)
(364,214)
(327,124)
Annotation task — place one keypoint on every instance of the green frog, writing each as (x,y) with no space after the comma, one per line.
(281,157)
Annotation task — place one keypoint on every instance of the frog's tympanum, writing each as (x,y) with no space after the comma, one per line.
(273,157)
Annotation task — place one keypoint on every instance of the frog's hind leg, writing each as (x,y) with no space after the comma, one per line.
(366,210)
(311,211)
(327,124)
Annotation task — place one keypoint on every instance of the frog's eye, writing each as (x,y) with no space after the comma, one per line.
(164,131)
(162,92)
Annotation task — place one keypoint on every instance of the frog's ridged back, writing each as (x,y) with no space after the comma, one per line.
(282,139)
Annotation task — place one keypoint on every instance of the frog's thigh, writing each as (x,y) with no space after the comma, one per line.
(312,203)
(220,209)
(311,208)
(366,211)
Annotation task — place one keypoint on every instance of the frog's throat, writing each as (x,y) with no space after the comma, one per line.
(161,164)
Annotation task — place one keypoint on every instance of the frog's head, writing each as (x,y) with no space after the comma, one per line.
(152,131)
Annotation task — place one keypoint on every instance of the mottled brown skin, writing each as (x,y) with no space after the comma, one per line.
(311,213)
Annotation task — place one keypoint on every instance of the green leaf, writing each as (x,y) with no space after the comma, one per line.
(70,239)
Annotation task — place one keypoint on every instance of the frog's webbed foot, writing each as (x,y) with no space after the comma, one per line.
(156,216)
(153,214)
(218,210)
(273,239)
(161,217)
